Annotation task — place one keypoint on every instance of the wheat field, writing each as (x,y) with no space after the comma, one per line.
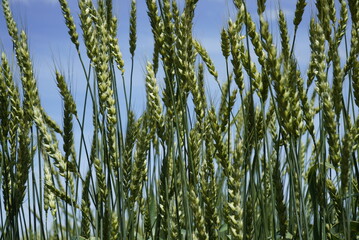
(275,158)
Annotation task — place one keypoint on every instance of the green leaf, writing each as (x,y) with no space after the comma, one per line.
(223,228)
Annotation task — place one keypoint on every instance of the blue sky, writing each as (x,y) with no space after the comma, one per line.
(50,45)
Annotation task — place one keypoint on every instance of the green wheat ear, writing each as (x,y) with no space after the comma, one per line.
(133,37)
(11,24)
(70,23)
(299,10)
(206,59)
(115,49)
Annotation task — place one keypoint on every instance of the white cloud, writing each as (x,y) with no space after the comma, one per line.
(28,1)
(273,14)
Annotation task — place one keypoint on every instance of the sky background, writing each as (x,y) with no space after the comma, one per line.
(51,48)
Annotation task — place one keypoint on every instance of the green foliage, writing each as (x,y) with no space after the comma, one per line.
(276,159)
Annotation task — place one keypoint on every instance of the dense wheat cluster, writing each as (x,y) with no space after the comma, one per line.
(275,158)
